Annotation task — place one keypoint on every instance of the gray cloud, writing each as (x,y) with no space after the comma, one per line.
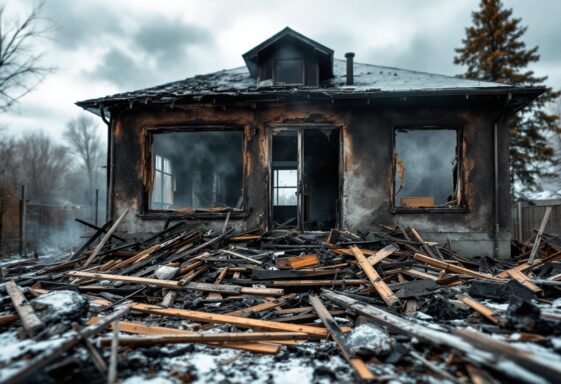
(81,23)
(123,70)
(168,40)
(165,44)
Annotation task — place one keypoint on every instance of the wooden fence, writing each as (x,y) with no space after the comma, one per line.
(43,224)
(527,217)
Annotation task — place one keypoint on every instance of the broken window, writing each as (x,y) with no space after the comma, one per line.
(289,71)
(197,170)
(285,187)
(426,168)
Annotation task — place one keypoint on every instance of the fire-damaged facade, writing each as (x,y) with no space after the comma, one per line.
(298,140)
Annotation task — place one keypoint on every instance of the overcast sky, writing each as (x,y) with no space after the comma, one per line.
(101,47)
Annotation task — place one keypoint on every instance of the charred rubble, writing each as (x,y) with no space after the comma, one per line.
(195,304)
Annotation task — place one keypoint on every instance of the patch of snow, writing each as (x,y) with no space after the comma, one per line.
(149,380)
(165,273)
(62,305)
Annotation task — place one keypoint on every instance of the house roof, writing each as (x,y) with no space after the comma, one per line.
(369,80)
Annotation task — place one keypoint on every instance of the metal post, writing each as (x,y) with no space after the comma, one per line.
(96,205)
(22,234)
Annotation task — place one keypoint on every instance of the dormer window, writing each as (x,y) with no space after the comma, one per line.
(289,72)
(289,59)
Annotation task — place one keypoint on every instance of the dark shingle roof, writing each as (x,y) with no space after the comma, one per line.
(368,79)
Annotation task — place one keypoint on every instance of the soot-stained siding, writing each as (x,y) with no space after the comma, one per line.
(366,192)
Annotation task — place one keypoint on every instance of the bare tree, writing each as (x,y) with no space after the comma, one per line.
(20,60)
(42,165)
(85,144)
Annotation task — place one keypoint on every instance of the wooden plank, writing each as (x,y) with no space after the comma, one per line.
(524,280)
(138,328)
(382,254)
(263,306)
(383,290)
(172,284)
(205,338)
(483,310)
(539,235)
(423,243)
(90,241)
(266,274)
(335,332)
(318,283)
(219,279)
(105,238)
(237,321)
(417,202)
(451,267)
(29,319)
(297,262)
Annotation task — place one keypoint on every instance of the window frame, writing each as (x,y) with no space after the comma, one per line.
(148,213)
(274,71)
(462,206)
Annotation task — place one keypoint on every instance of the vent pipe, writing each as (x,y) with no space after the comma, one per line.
(350,74)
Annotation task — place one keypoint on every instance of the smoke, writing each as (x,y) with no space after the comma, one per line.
(429,156)
(206,167)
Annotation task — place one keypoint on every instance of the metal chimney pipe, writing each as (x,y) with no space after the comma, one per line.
(350,74)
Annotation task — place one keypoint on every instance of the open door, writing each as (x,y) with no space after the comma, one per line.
(305,178)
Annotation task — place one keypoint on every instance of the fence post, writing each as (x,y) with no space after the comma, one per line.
(96,205)
(22,234)
(519,214)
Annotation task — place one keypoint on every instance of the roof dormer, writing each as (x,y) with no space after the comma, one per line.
(289,59)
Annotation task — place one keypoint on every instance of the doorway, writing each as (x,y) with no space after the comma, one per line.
(305,177)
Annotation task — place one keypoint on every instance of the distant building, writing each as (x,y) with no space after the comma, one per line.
(299,140)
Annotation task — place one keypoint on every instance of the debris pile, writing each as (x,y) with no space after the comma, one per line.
(193,304)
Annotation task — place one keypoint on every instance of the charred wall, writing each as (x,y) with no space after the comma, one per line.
(367,141)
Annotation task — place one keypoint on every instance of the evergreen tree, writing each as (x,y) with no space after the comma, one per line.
(494,51)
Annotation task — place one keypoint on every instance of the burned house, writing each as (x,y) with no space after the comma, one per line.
(299,140)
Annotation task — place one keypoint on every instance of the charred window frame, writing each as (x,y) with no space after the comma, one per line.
(455,202)
(296,63)
(149,211)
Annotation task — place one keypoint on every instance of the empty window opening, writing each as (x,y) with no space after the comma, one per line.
(426,168)
(289,71)
(197,170)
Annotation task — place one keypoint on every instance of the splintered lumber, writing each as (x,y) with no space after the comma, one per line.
(41,360)
(297,262)
(524,280)
(533,362)
(142,329)
(539,235)
(335,332)
(423,243)
(451,267)
(90,241)
(483,310)
(205,338)
(524,266)
(105,238)
(472,346)
(172,284)
(273,275)
(382,254)
(263,306)
(244,257)
(383,290)
(29,319)
(114,341)
(237,321)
